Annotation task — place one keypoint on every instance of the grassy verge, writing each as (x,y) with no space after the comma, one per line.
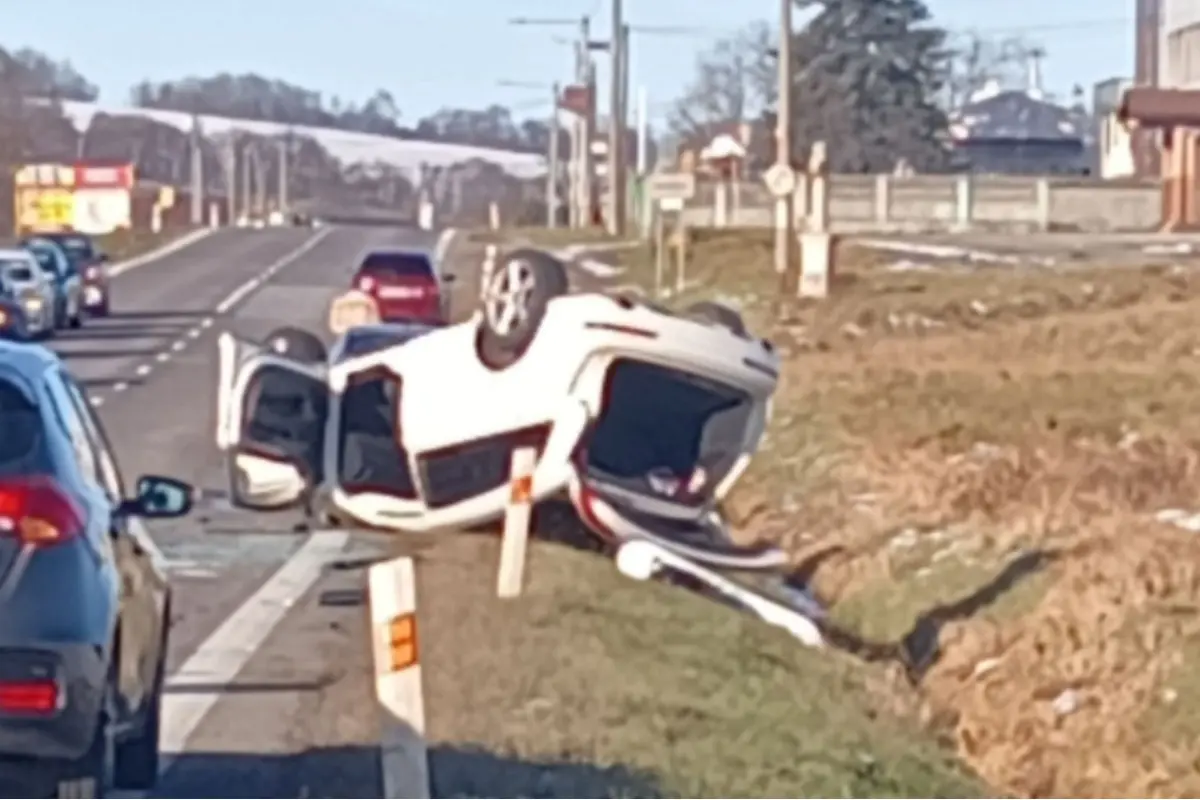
(126,244)
(615,689)
(974,462)
(542,237)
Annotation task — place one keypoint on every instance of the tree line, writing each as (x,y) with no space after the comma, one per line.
(33,127)
(874,79)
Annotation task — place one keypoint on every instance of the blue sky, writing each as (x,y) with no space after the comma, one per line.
(453,52)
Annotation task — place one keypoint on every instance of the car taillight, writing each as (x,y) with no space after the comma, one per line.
(366,283)
(39,696)
(93,273)
(36,511)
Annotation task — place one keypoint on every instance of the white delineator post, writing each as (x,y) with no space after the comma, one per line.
(510,578)
(403,752)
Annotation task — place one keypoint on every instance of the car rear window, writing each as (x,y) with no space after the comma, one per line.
(77,247)
(16,270)
(398,265)
(20,432)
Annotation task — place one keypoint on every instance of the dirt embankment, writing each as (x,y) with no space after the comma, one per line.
(991,473)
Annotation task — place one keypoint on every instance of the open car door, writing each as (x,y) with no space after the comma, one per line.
(272,414)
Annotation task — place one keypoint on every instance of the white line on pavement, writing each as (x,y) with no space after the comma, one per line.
(201,680)
(160,252)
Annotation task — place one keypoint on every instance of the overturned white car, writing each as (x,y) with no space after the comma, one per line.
(644,417)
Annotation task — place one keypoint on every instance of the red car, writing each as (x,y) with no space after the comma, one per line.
(404,284)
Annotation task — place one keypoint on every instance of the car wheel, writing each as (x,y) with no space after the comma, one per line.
(136,761)
(515,298)
(297,344)
(91,775)
(77,320)
(718,314)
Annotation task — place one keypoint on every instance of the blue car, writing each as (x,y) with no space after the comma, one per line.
(57,264)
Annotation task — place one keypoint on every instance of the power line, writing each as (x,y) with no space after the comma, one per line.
(688,31)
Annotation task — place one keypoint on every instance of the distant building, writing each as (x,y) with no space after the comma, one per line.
(1017,132)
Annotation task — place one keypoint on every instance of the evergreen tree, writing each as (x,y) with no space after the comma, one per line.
(868,76)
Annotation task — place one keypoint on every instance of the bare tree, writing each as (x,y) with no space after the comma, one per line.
(976,60)
(734,82)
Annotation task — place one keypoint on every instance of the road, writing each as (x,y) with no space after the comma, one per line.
(270,678)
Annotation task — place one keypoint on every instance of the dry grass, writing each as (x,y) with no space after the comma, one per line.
(973,461)
(125,244)
(592,685)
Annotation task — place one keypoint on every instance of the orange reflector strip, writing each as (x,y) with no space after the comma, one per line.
(522,489)
(402,642)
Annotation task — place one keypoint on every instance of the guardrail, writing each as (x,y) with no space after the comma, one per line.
(933,203)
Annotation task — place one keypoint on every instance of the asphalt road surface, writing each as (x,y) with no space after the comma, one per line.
(270,694)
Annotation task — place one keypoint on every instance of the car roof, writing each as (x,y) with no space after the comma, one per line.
(26,360)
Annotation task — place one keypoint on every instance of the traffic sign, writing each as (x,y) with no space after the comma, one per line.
(671,186)
(780,180)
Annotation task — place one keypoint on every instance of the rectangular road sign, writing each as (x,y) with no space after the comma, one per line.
(671,186)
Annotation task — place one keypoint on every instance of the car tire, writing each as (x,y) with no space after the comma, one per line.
(298,345)
(717,314)
(136,762)
(512,315)
(77,320)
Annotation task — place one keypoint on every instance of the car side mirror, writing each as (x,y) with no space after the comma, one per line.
(266,479)
(160,497)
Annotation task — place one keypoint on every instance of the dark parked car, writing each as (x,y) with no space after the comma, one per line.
(92,265)
(84,608)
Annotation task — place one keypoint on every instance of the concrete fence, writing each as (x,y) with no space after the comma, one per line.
(930,203)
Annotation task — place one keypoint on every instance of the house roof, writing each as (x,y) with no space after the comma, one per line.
(1014,115)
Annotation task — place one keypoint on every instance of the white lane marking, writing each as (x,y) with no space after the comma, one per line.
(142,371)
(154,255)
(95,400)
(241,292)
(218,660)
(161,357)
(194,333)
(179,345)
(120,386)
(598,268)
(235,297)
(206,322)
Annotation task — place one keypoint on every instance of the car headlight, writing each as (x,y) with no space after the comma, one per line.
(32,301)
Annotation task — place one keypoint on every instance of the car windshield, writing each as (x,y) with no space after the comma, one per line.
(16,271)
(398,265)
(78,248)
(45,254)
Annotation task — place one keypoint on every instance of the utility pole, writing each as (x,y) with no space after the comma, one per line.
(284,153)
(552,173)
(196,172)
(231,179)
(616,159)
(587,169)
(247,176)
(783,139)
